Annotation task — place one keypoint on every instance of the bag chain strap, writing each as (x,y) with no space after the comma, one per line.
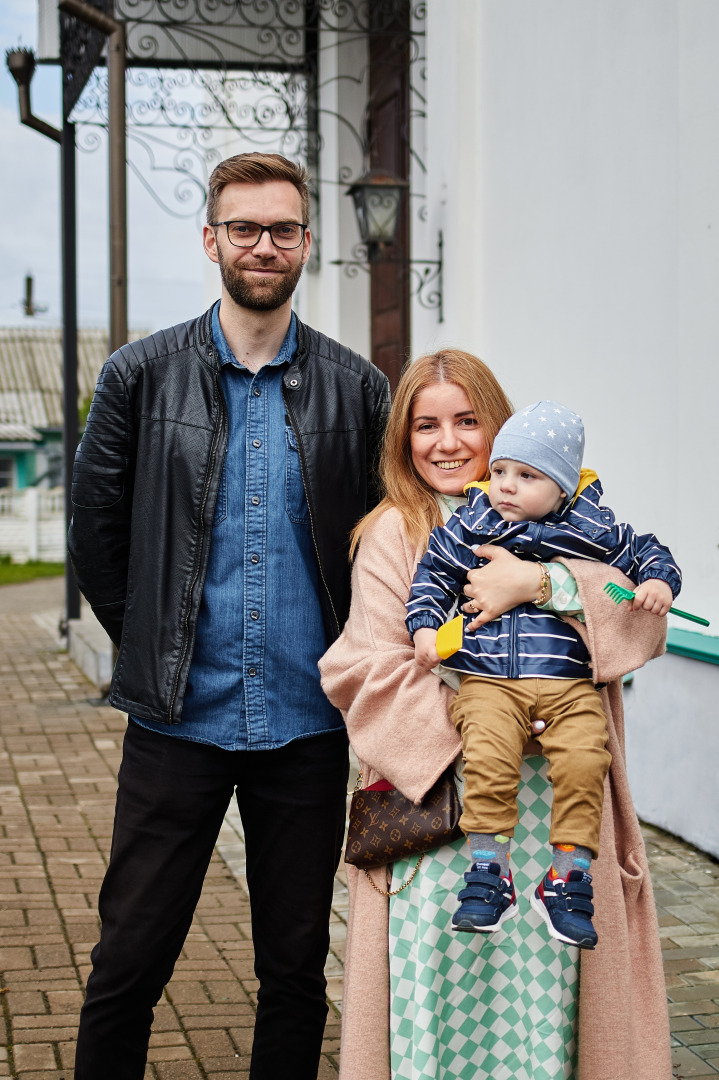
(410,879)
(393,892)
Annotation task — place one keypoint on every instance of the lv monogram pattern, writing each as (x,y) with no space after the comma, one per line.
(385,826)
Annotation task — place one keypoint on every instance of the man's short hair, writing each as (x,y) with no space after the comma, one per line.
(257,168)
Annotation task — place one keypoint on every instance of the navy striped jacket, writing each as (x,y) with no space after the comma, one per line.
(527,642)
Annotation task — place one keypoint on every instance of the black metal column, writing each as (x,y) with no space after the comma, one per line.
(69,342)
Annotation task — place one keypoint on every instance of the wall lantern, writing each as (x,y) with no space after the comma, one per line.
(377,197)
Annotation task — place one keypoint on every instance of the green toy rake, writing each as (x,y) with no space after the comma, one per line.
(617,593)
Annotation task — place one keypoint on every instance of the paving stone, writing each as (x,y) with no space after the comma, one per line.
(686,1063)
(59,758)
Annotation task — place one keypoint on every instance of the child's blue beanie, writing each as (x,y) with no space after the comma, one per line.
(549,437)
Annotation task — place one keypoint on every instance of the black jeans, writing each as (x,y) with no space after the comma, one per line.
(171,800)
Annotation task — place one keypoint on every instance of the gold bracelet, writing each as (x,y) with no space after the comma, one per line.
(545,587)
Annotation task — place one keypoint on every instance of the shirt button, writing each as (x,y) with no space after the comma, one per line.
(254,615)
(257,443)
(252,671)
(254,558)
(255,500)
(257,391)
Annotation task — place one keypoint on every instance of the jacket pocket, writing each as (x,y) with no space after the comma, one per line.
(295,499)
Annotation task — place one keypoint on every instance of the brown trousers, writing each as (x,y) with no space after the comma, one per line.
(494,718)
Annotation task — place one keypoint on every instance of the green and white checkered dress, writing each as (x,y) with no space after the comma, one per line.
(481,1007)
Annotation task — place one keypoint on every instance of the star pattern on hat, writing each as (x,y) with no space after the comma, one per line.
(554,430)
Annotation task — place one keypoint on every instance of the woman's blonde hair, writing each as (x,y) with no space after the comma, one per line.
(403,486)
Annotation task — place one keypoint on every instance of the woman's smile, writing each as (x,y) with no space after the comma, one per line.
(448,445)
(451,464)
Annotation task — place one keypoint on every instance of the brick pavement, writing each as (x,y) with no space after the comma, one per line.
(58,760)
(686,888)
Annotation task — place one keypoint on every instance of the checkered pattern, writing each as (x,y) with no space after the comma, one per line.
(473,1007)
(565,593)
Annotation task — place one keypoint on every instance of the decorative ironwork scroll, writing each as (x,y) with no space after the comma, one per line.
(208,78)
(81,49)
(228,34)
(425,284)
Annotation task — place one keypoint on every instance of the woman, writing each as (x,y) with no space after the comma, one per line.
(419,1001)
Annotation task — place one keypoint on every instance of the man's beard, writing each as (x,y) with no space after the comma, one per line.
(258,295)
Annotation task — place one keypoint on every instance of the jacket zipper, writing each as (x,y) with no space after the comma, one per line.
(513,659)
(309,505)
(213,455)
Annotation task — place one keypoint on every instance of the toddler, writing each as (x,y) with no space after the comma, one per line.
(529,665)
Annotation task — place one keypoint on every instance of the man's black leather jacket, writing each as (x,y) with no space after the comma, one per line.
(145,485)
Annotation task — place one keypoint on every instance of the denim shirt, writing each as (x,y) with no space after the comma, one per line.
(254,683)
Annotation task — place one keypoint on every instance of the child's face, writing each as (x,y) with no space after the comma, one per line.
(519,492)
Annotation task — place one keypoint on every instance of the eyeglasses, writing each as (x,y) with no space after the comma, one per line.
(246,234)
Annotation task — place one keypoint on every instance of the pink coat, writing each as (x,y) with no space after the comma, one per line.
(398,725)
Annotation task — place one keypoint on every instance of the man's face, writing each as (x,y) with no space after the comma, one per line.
(263,277)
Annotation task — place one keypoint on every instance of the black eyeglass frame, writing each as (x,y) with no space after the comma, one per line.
(263,229)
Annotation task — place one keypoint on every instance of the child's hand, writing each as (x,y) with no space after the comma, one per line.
(425,648)
(653,595)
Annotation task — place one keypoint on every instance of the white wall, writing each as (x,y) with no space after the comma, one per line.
(574,167)
(672,740)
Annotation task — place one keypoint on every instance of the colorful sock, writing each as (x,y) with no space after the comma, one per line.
(568,857)
(490,847)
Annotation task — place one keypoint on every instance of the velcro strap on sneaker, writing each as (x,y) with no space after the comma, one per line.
(477,892)
(578,888)
(578,903)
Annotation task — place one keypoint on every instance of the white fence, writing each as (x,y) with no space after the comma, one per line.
(32,524)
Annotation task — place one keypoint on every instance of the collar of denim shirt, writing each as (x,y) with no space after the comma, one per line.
(288,348)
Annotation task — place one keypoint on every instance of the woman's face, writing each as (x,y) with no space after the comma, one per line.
(448,445)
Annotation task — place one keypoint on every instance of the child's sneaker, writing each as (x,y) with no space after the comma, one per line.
(567,909)
(487,901)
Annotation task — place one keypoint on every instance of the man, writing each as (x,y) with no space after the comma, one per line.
(223,465)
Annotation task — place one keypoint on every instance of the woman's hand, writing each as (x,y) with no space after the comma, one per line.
(501,585)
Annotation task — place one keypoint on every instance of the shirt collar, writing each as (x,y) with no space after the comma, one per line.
(288,348)
(448,504)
